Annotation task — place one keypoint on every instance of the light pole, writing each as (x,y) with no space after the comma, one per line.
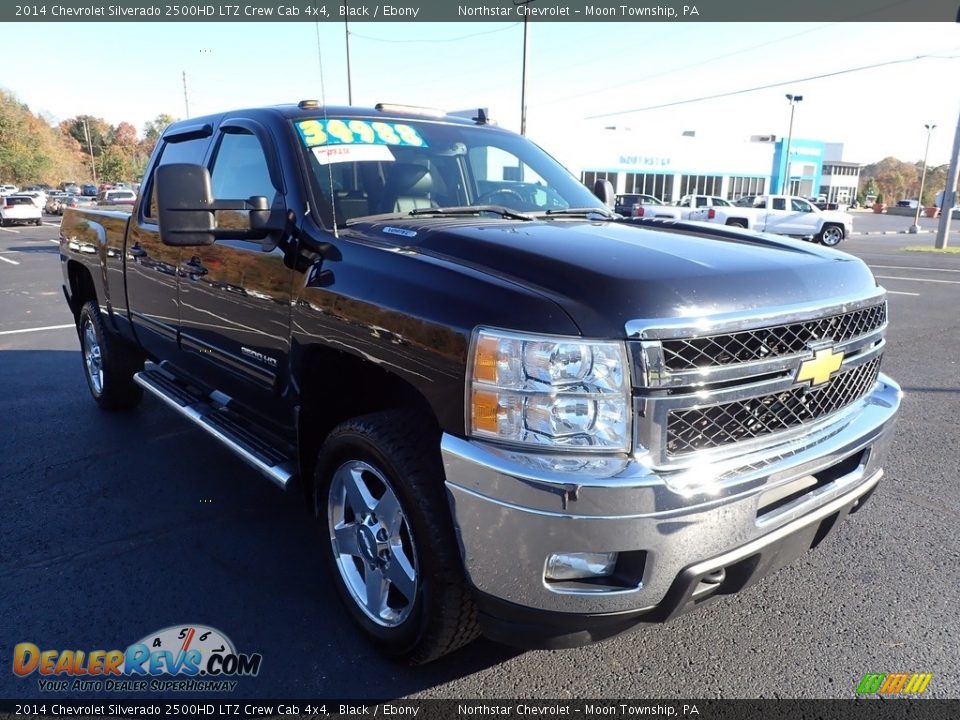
(915,228)
(93,162)
(784,183)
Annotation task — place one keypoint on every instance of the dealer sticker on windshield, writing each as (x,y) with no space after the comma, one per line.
(352,153)
(337,131)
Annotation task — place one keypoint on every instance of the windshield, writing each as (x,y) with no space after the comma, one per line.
(374,167)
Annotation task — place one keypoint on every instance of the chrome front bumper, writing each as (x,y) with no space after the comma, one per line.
(513,509)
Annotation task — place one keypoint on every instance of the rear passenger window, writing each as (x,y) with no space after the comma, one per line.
(779,204)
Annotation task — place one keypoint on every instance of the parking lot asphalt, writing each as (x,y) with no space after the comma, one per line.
(115,526)
(866,222)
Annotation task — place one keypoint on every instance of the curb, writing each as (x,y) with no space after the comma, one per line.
(894,232)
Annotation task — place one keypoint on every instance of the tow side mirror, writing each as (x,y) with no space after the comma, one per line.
(190,216)
(603,189)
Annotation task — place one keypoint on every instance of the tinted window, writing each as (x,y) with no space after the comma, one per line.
(502,178)
(240,170)
(185,151)
(365,167)
(779,204)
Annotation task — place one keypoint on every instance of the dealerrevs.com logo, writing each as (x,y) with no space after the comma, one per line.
(186,658)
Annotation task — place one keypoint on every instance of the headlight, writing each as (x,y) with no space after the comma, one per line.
(544,391)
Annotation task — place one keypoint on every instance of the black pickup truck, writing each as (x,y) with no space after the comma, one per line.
(511,410)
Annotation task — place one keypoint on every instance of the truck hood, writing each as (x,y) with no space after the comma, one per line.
(604,274)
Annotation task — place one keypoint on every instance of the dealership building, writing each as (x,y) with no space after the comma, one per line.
(671,167)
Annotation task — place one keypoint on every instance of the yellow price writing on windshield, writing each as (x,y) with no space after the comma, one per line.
(338,131)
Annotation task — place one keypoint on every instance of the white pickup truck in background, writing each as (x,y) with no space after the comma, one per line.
(648,206)
(783,215)
(689,204)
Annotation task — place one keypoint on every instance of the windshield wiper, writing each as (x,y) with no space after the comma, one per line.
(580,212)
(472,210)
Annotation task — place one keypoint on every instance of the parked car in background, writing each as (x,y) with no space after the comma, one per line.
(76,201)
(688,203)
(54,203)
(938,200)
(912,204)
(89,190)
(117,197)
(783,215)
(648,206)
(37,197)
(8,189)
(19,209)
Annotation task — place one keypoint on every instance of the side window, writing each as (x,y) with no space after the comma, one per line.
(185,151)
(701,201)
(240,170)
(801,206)
(779,203)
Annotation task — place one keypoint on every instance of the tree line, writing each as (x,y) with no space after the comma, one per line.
(891,180)
(80,149)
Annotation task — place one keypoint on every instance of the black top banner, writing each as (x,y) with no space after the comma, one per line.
(643,11)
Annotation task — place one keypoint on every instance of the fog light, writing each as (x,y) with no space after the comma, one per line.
(578,566)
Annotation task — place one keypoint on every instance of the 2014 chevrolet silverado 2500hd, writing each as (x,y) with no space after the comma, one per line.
(782,215)
(510,409)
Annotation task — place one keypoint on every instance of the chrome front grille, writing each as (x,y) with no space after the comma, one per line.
(713,426)
(770,342)
(727,385)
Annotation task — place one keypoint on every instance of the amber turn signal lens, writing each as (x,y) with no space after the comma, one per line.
(485,363)
(484,409)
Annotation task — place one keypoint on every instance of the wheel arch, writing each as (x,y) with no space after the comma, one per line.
(82,287)
(335,386)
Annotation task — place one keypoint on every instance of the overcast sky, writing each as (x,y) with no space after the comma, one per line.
(132,72)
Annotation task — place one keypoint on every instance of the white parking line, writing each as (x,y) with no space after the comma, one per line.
(913,267)
(15,232)
(8,260)
(54,241)
(944,282)
(52,224)
(37,329)
(897,292)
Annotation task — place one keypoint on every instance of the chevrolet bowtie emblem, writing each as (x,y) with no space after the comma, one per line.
(818,369)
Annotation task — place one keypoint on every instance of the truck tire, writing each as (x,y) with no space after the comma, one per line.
(109,365)
(389,540)
(737,224)
(830,235)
